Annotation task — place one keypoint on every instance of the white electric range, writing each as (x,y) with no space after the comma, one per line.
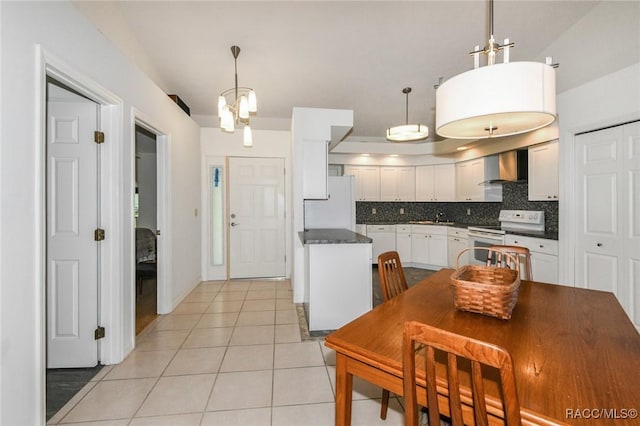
(510,220)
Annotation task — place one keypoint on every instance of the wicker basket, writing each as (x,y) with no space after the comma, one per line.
(486,290)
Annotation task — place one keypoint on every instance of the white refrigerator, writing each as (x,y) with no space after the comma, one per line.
(338,211)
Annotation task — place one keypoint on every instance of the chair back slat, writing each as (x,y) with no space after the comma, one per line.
(454,390)
(496,257)
(479,403)
(455,345)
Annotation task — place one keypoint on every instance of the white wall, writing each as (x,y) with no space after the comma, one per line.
(216,144)
(64,34)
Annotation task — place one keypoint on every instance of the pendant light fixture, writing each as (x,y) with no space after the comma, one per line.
(242,104)
(407,132)
(497,99)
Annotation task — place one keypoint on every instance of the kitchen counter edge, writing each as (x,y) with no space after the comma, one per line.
(332,236)
(547,235)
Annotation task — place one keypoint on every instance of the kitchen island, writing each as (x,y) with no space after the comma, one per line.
(338,282)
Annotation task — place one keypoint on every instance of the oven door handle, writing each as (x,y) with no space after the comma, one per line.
(487,236)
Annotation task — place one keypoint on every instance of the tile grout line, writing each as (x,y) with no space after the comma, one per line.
(226,350)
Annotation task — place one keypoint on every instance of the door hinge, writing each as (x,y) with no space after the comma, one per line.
(98,137)
(99,333)
(98,234)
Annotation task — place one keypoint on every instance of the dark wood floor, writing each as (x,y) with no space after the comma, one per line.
(146,304)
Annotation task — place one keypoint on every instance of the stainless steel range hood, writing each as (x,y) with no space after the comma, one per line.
(513,166)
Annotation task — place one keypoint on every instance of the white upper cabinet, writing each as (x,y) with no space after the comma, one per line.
(470,176)
(314,172)
(436,183)
(367,181)
(397,183)
(425,183)
(543,172)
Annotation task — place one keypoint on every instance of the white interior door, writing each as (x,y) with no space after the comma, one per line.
(72,216)
(256,217)
(608,231)
(598,198)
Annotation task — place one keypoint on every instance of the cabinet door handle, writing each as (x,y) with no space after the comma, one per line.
(541,246)
(599,244)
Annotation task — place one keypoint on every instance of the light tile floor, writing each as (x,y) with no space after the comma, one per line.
(230,354)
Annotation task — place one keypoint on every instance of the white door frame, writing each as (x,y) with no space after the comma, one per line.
(164,271)
(110,349)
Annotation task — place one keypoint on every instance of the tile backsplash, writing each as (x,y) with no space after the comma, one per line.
(514,197)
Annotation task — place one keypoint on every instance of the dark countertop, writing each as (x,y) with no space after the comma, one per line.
(548,235)
(410,222)
(332,236)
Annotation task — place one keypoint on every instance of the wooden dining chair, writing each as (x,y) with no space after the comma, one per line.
(455,346)
(391,275)
(392,282)
(495,257)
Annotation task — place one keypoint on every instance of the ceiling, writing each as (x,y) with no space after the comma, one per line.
(339,54)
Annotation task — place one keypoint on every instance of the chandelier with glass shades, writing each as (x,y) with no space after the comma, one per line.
(242,103)
(407,132)
(497,99)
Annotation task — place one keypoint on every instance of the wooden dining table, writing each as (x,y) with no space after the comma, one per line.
(576,353)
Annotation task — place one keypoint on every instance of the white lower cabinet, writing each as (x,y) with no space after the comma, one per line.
(457,241)
(403,244)
(384,239)
(544,256)
(429,246)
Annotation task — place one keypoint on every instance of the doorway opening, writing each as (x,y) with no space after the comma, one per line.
(104,212)
(145,221)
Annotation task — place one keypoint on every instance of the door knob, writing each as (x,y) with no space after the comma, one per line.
(234,224)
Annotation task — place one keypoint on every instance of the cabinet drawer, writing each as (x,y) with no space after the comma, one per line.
(429,229)
(381,228)
(457,232)
(538,245)
(403,229)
